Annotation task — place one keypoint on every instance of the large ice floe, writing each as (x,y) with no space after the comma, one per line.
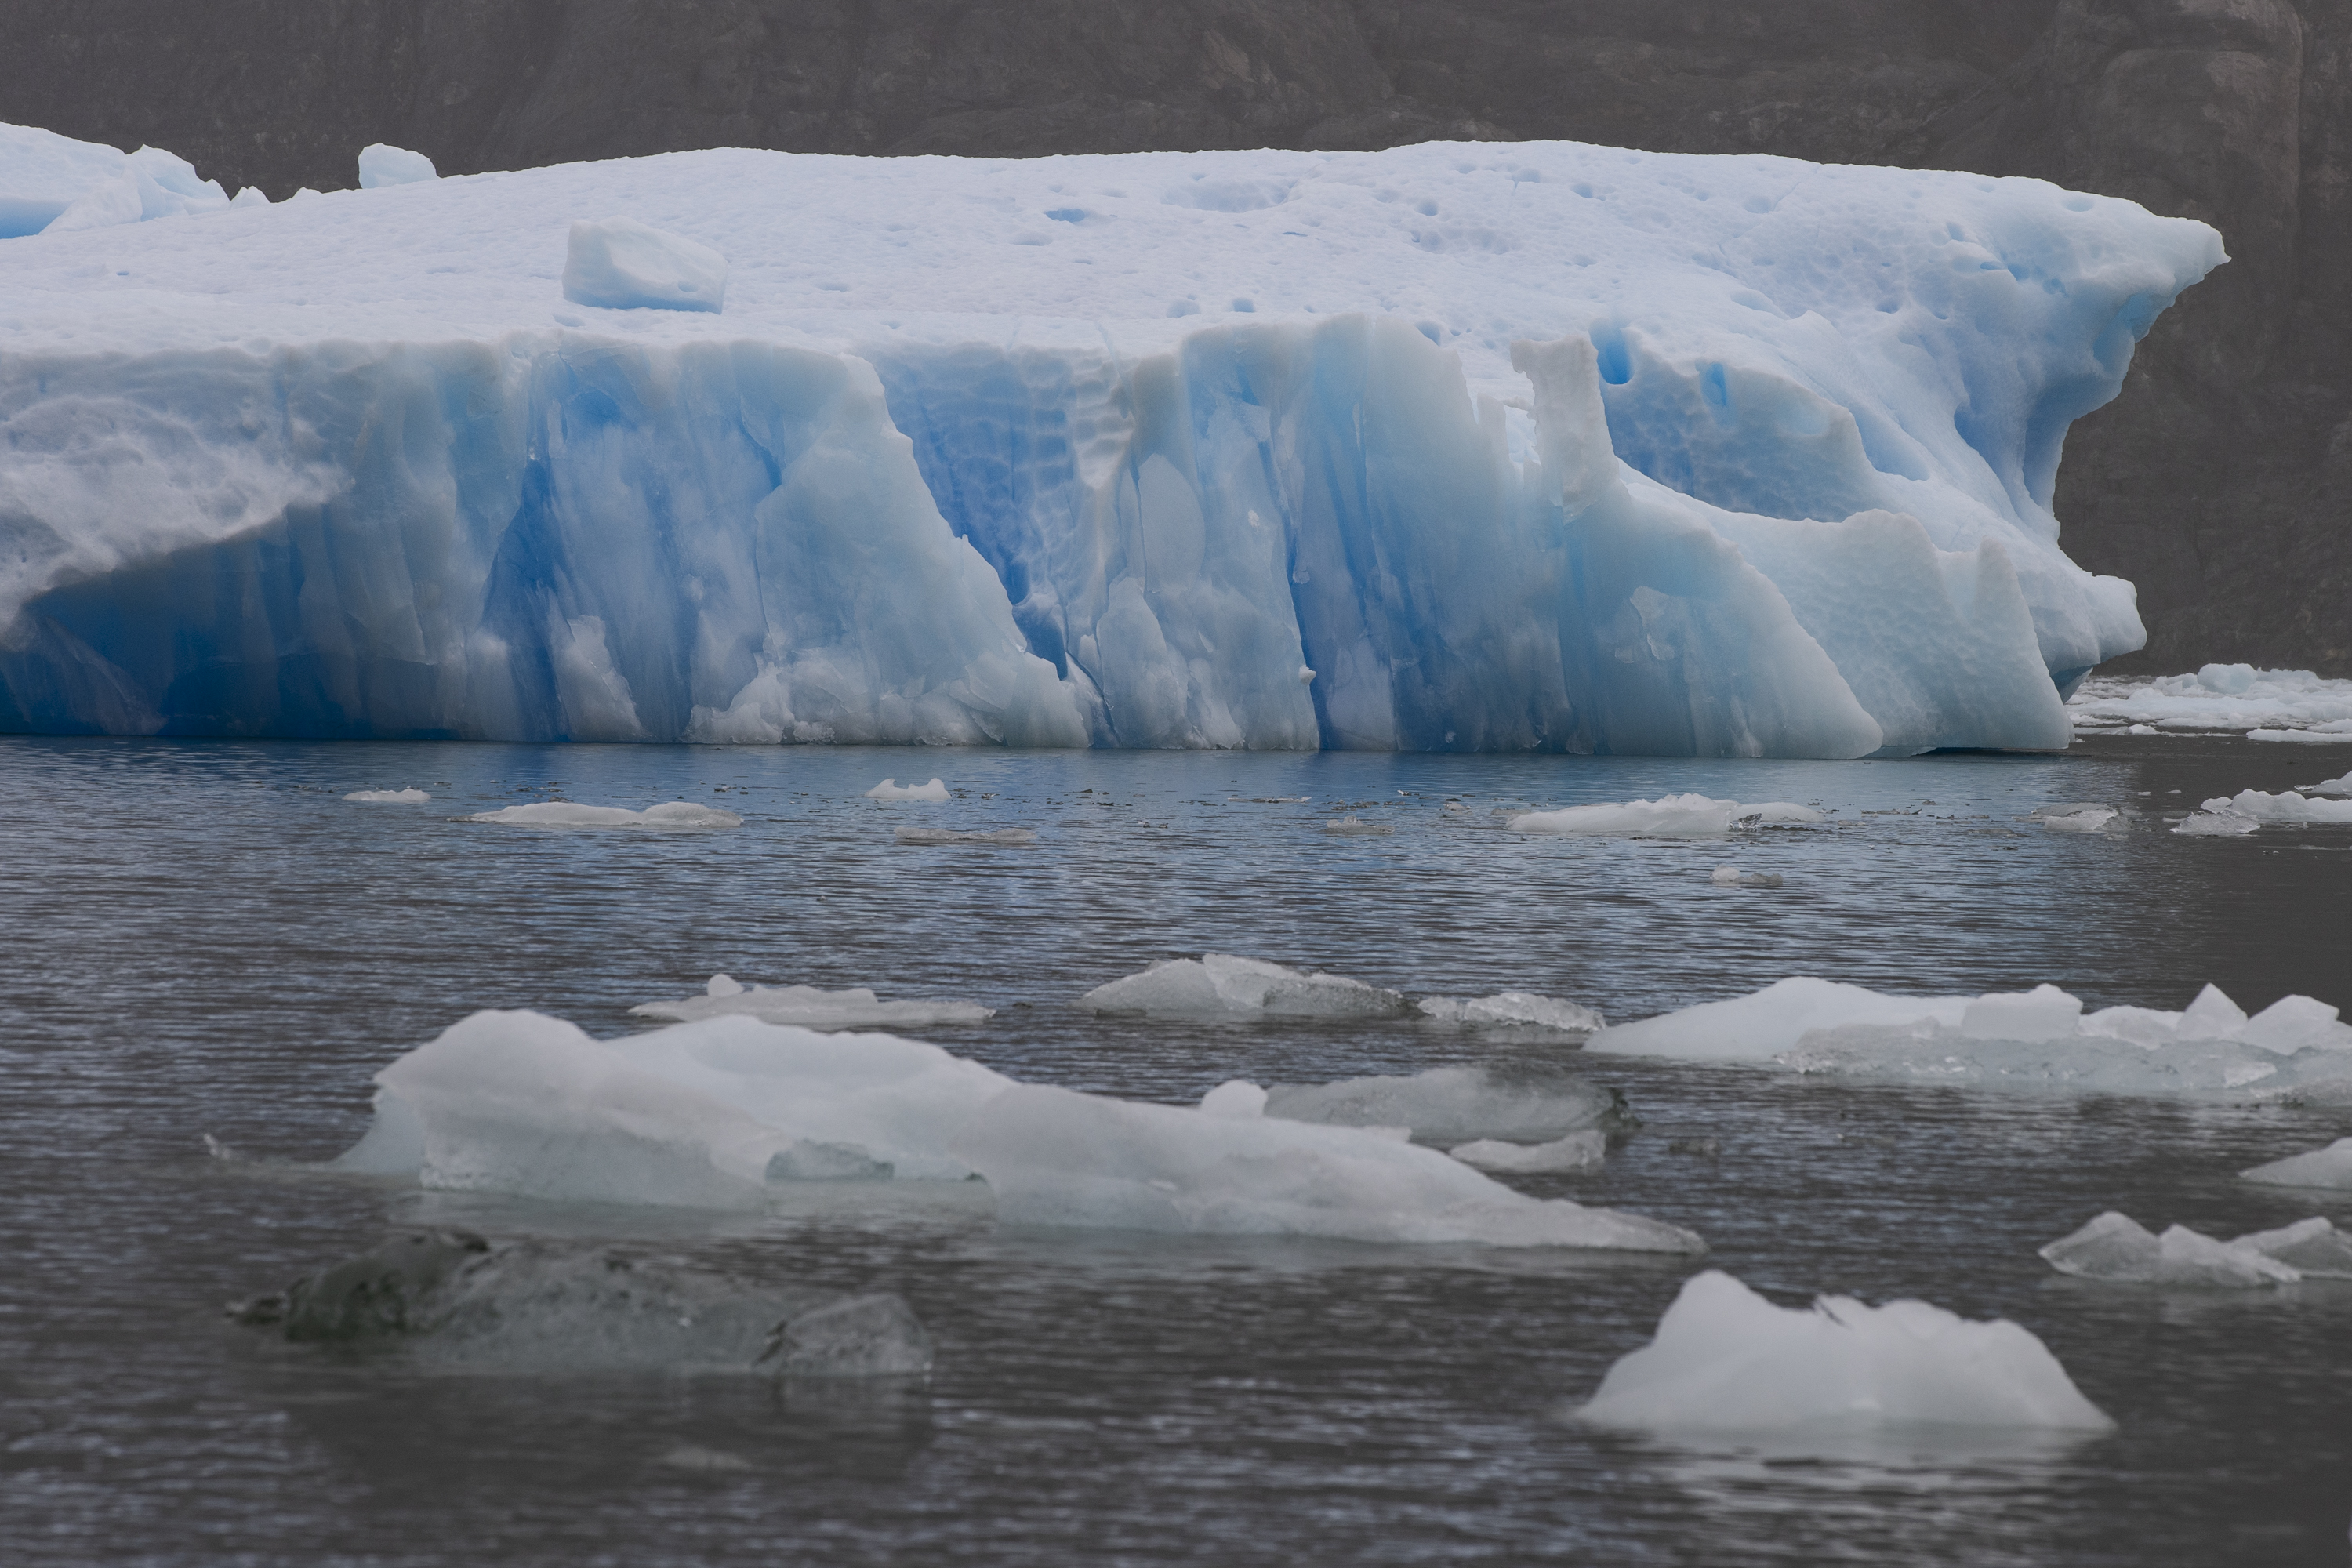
(1728,1361)
(2251,810)
(2220,699)
(2296,1049)
(1471,446)
(2115,1247)
(724,1113)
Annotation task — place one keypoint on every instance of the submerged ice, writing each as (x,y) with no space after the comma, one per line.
(1547,447)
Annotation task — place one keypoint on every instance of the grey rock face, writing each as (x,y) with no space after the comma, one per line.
(2221,481)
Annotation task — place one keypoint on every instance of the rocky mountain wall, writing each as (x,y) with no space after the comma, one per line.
(2221,481)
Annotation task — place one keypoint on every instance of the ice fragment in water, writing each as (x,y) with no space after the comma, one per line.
(621,264)
(1576,1152)
(2115,1247)
(1356,827)
(674,814)
(951,836)
(2292,810)
(1725,1360)
(2339,789)
(2216,825)
(1733,877)
(2328,1167)
(2081,817)
(812,1008)
(2313,1247)
(1669,817)
(390,796)
(1524,1103)
(1219,986)
(2262,704)
(1512,1010)
(891,789)
(383,164)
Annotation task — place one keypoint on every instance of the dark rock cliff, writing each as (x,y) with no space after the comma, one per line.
(2221,481)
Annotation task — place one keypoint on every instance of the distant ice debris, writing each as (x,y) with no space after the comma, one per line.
(382,164)
(951,836)
(718,1113)
(1576,1152)
(623,264)
(2082,817)
(1669,817)
(812,1008)
(2328,1167)
(1733,877)
(2115,1247)
(672,814)
(1220,985)
(1727,1361)
(2220,699)
(390,796)
(1356,827)
(1512,1010)
(2040,1040)
(891,789)
(1450,1106)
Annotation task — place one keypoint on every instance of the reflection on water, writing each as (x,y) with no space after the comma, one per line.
(206,938)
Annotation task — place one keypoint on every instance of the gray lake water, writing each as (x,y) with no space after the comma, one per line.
(203,939)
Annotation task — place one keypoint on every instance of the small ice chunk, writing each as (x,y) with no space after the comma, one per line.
(2328,1167)
(674,814)
(1356,827)
(2216,825)
(891,789)
(2079,818)
(1523,1103)
(2292,810)
(2339,789)
(1733,877)
(950,836)
(811,1160)
(810,1007)
(1220,985)
(1577,1151)
(1727,1360)
(2115,1247)
(2313,1247)
(621,264)
(390,796)
(1512,1009)
(383,164)
(1235,1098)
(1668,816)
(2140,730)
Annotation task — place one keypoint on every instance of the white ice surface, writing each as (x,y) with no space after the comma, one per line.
(891,789)
(2285,809)
(1512,1010)
(391,796)
(620,263)
(380,163)
(698,1115)
(2219,699)
(812,1008)
(1575,1152)
(2114,1246)
(2328,1167)
(1220,985)
(1668,816)
(52,184)
(1530,446)
(1725,1360)
(2036,1040)
(2332,789)
(669,813)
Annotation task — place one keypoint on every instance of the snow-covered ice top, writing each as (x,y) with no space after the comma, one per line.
(1727,1361)
(811,1007)
(713,1113)
(2221,699)
(2033,1040)
(1450,447)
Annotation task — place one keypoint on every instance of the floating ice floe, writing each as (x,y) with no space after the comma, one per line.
(891,789)
(2334,789)
(389,796)
(1220,985)
(2041,1039)
(1576,1152)
(2216,825)
(812,1008)
(2289,809)
(2081,816)
(953,836)
(1733,877)
(1512,1010)
(1726,1361)
(719,1113)
(2328,1167)
(1669,817)
(1520,447)
(2221,699)
(455,1303)
(2115,1247)
(1447,1107)
(671,814)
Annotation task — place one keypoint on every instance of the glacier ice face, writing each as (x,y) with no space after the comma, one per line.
(353,465)
(1725,1360)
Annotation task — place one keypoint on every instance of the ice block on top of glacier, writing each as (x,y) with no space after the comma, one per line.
(625,265)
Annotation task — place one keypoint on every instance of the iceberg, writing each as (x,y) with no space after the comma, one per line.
(1726,1361)
(2114,1246)
(2328,1167)
(1539,447)
(809,1007)
(2035,1041)
(724,1113)
(891,789)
